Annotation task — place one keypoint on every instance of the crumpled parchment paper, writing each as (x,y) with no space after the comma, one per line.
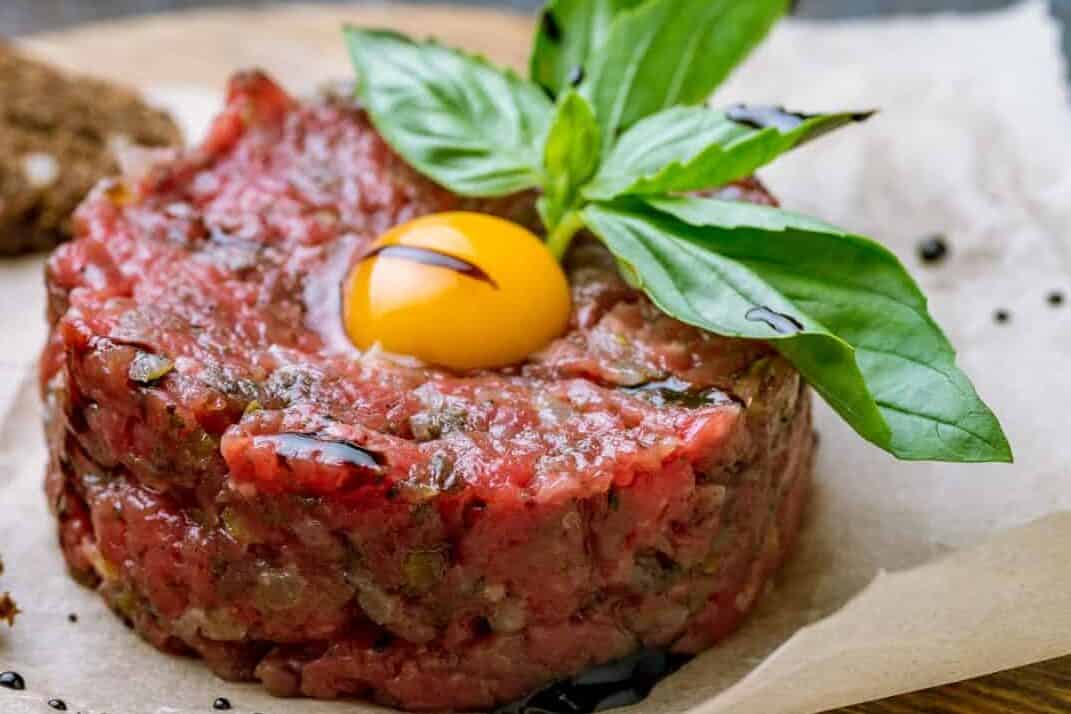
(908,575)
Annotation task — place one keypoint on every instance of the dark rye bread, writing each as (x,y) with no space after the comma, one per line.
(58,134)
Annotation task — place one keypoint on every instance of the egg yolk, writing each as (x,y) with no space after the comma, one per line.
(461,290)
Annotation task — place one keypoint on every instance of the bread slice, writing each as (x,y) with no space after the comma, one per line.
(58,137)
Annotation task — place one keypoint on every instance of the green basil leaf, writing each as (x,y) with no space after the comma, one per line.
(569,32)
(669,52)
(839,306)
(570,158)
(471,127)
(694,148)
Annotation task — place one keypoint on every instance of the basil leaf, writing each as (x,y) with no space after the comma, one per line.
(694,148)
(837,305)
(669,52)
(570,158)
(569,32)
(471,127)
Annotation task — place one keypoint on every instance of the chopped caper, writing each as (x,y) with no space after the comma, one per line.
(441,472)
(237,526)
(147,367)
(424,568)
(712,563)
(278,589)
(677,392)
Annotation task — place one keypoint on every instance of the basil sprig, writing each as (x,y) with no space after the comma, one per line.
(571,157)
(620,140)
(693,148)
(559,57)
(666,53)
(457,119)
(839,306)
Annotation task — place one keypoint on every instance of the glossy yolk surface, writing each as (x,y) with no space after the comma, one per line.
(461,290)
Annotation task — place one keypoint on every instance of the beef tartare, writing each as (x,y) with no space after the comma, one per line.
(240,483)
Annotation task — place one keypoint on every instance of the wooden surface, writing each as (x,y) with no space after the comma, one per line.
(1043,688)
(1040,689)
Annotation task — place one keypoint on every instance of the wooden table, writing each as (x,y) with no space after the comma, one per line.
(1043,688)
(1040,689)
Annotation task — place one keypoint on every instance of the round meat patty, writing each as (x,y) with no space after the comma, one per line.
(240,483)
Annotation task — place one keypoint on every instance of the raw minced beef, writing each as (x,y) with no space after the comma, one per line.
(240,483)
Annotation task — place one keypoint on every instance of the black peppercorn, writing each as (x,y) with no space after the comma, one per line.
(58,704)
(933,249)
(1055,298)
(1002,316)
(221,704)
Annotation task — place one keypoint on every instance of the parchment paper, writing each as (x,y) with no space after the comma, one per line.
(908,575)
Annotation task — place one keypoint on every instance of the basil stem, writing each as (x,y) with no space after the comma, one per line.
(561,236)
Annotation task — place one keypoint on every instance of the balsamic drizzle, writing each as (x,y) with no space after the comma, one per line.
(621,683)
(383,642)
(778,321)
(676,392)
(12,680)
(764,116)
(551,28)
(292,445)
(434,258)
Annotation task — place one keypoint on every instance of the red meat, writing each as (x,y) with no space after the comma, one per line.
(240,483)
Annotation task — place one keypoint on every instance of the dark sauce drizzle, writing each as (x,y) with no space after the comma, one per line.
(621,683)
(382,642)
(12,680)
(677,392)
(332,451)
(778,321)
(766,117)
(434,258)
(763,116)
(551,28)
